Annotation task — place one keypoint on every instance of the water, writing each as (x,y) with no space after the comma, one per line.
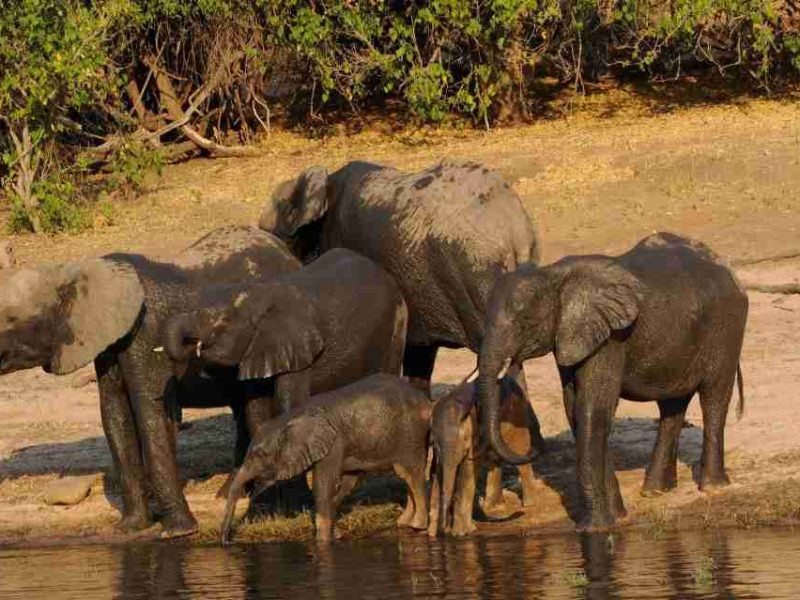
(732,564)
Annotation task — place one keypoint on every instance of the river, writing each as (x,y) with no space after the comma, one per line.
(631,564)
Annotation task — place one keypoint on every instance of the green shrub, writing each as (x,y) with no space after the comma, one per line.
(66,67)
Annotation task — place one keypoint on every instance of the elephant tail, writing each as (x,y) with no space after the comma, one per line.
(740,387)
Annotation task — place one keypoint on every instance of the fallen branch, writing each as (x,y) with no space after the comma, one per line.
(743,262)
(180,118)
(780,288)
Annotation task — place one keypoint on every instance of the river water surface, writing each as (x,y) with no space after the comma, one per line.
(721,564)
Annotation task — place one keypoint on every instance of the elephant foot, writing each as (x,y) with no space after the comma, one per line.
(712,483)
(462,527)
(178,526)
(225,489)
(417,521)
(407,517)
(655,489)
(597,522)
(134,522)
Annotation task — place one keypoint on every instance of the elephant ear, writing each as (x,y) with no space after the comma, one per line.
(306,439)
(595,301)
(286,339)
(101,301)
(297,202)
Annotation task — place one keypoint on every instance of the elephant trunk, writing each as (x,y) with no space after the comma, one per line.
(268,221)
(488,391)
(242,478)
(181,336)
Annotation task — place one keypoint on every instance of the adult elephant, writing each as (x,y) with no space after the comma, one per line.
(111,310)
(661,322)
(445,234)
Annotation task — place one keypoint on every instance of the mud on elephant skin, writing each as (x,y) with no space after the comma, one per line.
(111,310)
(310,330)
(376,424)
(661,322)
(456,444)
(445,234)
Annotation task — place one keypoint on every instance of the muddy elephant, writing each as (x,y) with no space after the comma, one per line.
(323,326)
(445,234)
(7,258)
(378,423)
(457,454)
(111,310)
(661,322)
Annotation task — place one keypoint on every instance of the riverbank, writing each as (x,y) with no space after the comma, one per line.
(727,175)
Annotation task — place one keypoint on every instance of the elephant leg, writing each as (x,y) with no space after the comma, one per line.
(528,482)
(417,499)
(418,366)
(241,444)
(493,497)
(346,485)
(433,508)
(147,387)
(662,473)
(598,382)
(567,376)
(292,390)
(119,426)
(714,401)
(463,503)
(327,482)
(531,421)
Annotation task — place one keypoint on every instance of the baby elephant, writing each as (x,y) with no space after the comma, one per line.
(7,259)
(378,423)
(454,435)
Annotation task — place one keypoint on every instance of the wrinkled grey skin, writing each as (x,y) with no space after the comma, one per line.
(375,424)
(445,234)
(661,322)
(7,259)
(111,310)
(326,325)
(454,437)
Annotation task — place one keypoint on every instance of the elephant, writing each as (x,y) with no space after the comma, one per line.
(312,330)
(663,321)
(377,423)
(445,234)
(454,437)
(111,310)
(7,258)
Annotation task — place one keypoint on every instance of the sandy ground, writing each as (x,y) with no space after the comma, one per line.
(727,175)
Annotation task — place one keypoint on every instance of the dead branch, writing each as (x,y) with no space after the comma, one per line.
(742,262)
(181,118)
(780,288)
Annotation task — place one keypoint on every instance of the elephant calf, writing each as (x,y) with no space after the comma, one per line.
(378,423)
(454,435)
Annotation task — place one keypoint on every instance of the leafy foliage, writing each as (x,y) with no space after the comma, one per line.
(66,67)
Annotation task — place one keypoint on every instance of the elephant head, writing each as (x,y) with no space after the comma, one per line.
(7,259)
(571,308)
(296,205)
(282,449)
(267,330)
(62,317)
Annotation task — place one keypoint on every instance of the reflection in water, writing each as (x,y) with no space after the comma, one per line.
(737,564)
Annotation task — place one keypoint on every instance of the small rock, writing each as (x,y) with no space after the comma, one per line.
(69,490)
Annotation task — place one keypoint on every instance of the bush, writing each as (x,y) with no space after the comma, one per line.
(117,82)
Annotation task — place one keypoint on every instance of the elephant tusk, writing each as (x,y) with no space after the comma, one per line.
(158,349)
(504,370)
(199,348)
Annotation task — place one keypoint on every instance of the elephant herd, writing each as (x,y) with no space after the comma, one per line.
(304,324)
